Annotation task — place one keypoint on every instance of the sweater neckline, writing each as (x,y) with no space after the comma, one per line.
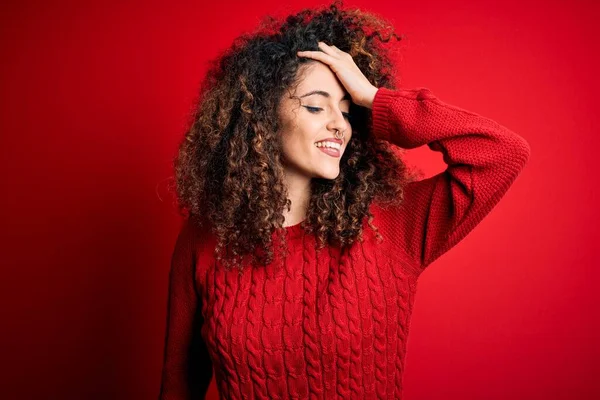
(295,230)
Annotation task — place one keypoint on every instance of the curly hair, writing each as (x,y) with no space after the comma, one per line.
(228,170)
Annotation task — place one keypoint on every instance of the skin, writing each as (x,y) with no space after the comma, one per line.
(316,117)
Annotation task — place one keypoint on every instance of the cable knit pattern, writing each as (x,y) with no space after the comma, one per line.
(335,324)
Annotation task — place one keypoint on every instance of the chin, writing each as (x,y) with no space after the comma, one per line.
(331,175)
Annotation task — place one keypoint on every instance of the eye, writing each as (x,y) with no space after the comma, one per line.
(316,110)
(313,110)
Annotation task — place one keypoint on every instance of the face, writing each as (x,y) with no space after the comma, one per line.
(310,118)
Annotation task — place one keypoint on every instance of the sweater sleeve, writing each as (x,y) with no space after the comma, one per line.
(483,157)
(187,367)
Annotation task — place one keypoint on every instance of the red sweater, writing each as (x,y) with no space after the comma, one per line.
(336,326)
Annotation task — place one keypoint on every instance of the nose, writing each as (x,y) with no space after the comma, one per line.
(338,123)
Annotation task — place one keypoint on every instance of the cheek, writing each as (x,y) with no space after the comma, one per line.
(296,146)
(300,137)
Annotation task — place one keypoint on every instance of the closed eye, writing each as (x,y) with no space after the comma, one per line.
(316,110)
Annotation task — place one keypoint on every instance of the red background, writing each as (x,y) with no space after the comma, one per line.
(94,99)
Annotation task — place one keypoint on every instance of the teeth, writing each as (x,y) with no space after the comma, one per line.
(329,144)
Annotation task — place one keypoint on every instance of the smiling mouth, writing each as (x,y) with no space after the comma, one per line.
(330,151)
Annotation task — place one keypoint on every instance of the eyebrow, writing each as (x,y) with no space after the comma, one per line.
(325,94)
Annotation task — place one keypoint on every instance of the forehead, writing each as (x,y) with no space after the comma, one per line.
(319,76)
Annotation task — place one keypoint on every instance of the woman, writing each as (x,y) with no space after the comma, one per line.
(290,145)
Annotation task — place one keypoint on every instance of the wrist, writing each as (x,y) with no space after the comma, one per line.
(368,101)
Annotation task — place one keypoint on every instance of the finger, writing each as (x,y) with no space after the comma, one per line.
(327,48)
(317,55)
(341,53)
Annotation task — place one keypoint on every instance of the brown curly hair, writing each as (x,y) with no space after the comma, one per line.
(228,170)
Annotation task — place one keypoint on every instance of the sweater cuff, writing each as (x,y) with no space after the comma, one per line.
(389,108)
(380,113)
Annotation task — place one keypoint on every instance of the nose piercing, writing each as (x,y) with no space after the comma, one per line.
(336,134)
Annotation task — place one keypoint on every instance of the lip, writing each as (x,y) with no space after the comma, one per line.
(332,139)
(329,152)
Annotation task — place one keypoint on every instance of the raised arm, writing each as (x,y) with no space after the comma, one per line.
(187,368)
(484,158)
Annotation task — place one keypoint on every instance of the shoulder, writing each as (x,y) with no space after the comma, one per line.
(391,226)
(202,241)
(384,213)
